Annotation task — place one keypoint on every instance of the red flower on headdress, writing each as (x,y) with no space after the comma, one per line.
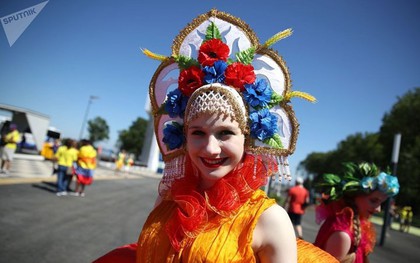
(238,74)
(190,79)
(212,51)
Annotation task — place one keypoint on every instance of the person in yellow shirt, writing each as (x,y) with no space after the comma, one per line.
(406,218)
(65,157)
(119,163)
(86,165)
(70,172)
(8,150)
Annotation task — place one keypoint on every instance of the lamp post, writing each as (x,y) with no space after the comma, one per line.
(91,98)
(394,161)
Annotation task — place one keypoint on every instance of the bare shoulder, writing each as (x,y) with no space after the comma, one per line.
(338,244)
(273,215)
(274,238)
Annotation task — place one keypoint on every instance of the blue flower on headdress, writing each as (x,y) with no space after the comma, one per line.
(381,181)
(215,73)
(263,124)
(258,95)
(388,184)
(176,103)
(173,135)
(392,184)
(368,183)
(385,183)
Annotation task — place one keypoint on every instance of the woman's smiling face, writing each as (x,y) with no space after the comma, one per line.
(215,146)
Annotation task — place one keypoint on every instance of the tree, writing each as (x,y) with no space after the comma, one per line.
(315,163)
(404,118)
(360,148)
(355,148)
(132,139)
(98,130)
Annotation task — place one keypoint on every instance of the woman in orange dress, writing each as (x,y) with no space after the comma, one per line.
(222,131)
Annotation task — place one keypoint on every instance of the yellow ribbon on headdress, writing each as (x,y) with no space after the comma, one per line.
(277,37)
(152,55)
(299,94)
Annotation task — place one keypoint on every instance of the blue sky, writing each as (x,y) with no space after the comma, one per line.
(355,56)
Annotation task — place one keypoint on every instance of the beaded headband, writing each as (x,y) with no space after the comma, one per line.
(218,55)
(217,99)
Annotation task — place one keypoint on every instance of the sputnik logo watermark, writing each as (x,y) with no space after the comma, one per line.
(14,24)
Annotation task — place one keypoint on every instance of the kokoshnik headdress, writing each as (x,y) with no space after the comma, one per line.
(218,60)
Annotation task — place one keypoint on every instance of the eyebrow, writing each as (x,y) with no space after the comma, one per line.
(230,127)
(194,127)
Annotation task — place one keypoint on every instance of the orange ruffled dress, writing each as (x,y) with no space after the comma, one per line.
(230,242)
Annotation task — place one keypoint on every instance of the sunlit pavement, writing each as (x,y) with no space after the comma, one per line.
(396,226)
(32,168)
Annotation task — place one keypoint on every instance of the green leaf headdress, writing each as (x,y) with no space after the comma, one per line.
(357,178)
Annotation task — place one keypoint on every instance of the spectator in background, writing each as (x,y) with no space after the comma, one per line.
(393,213)
(120,162)
(406,219)
(129,161)
(64,158)
(86,165)
(54,148)
(70,172)
(295,204)
(8,149)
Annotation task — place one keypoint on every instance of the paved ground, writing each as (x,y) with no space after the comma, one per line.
(30,168)
(38,226)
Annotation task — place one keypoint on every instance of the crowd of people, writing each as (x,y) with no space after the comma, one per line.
(70,159)
(402,215)
(74,160)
